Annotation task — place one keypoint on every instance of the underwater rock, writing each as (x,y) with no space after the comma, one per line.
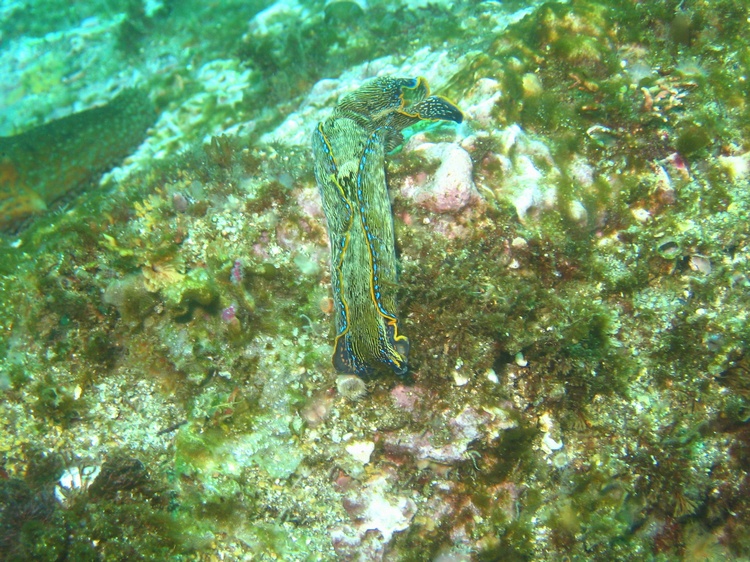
(528,172)
(377,513)
(361,451)
(345,11)
(273,19)
(537,340)
(481,102)
(195,289)
(524,173)
(451,188)
(468,426)
(49,164)
(130,296)
(736,166)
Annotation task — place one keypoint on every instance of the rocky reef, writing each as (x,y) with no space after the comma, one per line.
(573,277)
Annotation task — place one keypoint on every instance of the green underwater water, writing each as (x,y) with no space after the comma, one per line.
(579,372)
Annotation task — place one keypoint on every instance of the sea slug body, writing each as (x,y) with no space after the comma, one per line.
(349,158)
(49,164)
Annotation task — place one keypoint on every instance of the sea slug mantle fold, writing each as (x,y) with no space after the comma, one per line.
(349,157)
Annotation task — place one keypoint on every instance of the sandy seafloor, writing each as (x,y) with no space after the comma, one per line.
(573,279)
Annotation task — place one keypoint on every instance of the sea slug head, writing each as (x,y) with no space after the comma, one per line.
(437,108)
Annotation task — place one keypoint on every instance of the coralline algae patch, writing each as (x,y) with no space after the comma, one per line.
(211,111)
(573,277)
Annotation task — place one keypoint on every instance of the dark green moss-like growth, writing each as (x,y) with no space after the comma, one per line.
(600,97)
(123,514)
(292,62)
(133,29)
(134,303)
(514,543)
(24,515)
(57,404)
(220,150)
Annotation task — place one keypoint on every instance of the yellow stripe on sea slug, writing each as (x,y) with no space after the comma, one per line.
(349,159)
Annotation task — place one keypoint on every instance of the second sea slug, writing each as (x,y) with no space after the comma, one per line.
(349,158)
(47,165)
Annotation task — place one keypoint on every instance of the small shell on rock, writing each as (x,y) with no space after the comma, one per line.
(640,214)
(701,264)
(460,379)
(75,480)
(669,249)
(548,442)
(351,387)
(180,203)
(578,212)
(532,86)
(601,135)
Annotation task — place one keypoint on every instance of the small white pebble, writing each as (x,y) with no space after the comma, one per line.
(701,264)
(550,443)
(460,378)
(361,450)
(578,212)
(520,360)
(641,215)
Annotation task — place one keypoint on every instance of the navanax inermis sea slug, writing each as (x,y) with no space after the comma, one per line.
(349,157)
(49,164)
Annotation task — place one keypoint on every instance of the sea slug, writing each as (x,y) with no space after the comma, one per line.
(49,164)
(349,158)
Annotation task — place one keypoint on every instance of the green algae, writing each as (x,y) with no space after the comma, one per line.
(637,349)
(197,289)
(105,519)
